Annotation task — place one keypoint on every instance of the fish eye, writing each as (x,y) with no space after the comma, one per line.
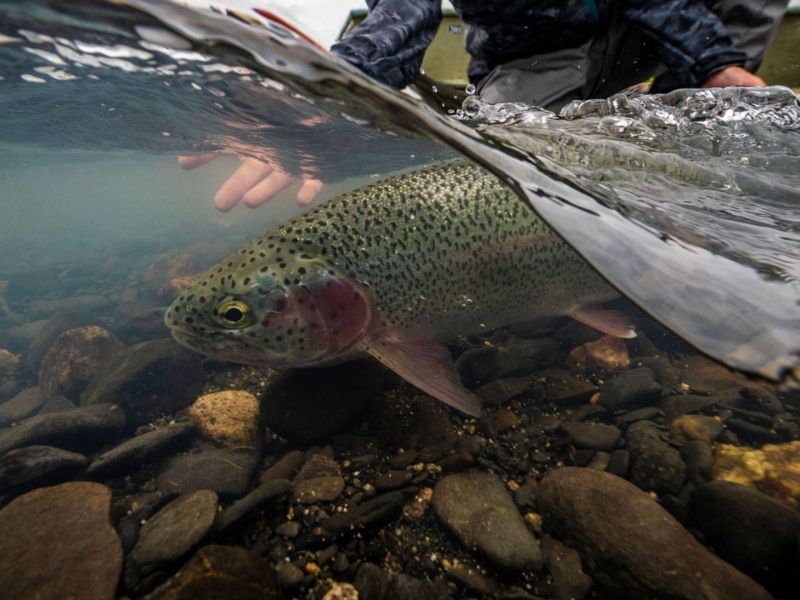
(233,314)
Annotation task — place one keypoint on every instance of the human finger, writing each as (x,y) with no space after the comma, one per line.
(247,176)
(308,191)
(193,161)
(266,189)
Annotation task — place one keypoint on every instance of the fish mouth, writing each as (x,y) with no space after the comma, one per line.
(220,348)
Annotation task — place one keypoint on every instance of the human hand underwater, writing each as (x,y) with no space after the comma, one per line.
(254,183)
(734,77)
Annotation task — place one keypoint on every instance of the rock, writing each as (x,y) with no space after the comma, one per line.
(391,480)
(140,449)
(228,418)
(35,466)
(175,529)
(221,572)
(285,468)
(458,461)
(320,480)
(471,578)
(228,472)
(372,513)
(505,419)
(755,433)
(592,436)
(167,276)
(148,380)
(373,583)
(751,531)
(527,355)
(564,565)
(264,495)
(606,355)
(477,508)
(289,575)
(21,335)
(695,427)
(477,365)
(675,406)
(575,333)
(561,387)
(289,529)
(648,413)
(663,371)
(140,322)
(500,391)
(633,546)
(25,404)
(632,388)
(56,404)
(699,461)
(774,469)
(332,398)
(80,429)
(8,363)
(58,542)
(90,304)
(618,463)
(655,465)
(74,360)
(49,332)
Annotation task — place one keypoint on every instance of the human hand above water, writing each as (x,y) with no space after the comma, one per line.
(734,77)
(254,183)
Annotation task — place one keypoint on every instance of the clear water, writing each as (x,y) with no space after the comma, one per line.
(687,203)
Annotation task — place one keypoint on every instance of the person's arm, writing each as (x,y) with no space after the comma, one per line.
(390,43)
(692,40)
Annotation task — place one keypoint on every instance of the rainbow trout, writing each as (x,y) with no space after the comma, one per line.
(395,269)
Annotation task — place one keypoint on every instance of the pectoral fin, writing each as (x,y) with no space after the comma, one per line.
(428,366)
(608,321)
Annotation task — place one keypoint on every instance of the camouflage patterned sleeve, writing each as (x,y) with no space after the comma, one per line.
(390,43)
(693,40)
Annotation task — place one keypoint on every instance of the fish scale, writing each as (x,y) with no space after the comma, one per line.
(394,268)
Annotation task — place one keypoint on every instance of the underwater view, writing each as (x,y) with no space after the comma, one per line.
(270,328)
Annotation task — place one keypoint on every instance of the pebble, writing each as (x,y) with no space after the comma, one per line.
(458,461)
(229,418)
(140,449)
(505,419)
(477,508)
(403,459)
(751,432)
(264,495)
(49,332)
(333,397)
(25,404)
(372,513)
(633,546)
(771,469)
(655,465)
(527,355)
(648,413)
(477,365)
(564,565)
(695,427)
(74,360)
(632,388)
(175,529)
(592,436)
(319,480)
(81,429)
(285,467)
(35,466)
(289,575)
(289,529)
(228,472)
(373,583)
(608,354)
(675,406)
(221,572)
(148,380)
(58,542)
(699,459)
(500,391)
(618,463)
(662,369)
(392,480)
(751,531)
(471,578)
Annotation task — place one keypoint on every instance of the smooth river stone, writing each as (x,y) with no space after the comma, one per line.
(634,547)
(58,542)
(477,508)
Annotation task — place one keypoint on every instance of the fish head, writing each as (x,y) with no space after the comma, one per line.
(275,303)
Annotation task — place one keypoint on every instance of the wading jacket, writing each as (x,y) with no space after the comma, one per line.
(390,43)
